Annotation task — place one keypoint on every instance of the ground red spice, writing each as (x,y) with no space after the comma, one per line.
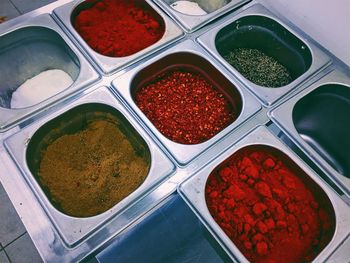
(185,107)
(266,210)
(119,28)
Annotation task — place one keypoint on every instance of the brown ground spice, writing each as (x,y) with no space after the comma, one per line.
(89,172)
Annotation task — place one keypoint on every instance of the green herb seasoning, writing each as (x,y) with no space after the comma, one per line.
(259,68)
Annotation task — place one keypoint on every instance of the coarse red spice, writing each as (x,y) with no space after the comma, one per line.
(268,212)
(185,107)
(119,28)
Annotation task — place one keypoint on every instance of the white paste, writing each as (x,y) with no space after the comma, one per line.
(40,87)
(212,5)
(188,8)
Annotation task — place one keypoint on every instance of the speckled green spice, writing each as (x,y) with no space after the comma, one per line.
(258,67)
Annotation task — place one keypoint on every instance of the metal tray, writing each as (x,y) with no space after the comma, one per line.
(29,48)
(72,230)
(61,238)
(193,192)
(331,120)
(110,65)
(200,246)
(191,23)
(277,38)
(189,53)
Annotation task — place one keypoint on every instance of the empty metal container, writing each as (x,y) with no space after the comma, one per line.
(317,121)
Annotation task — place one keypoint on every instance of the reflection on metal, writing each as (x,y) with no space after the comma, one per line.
(167,226)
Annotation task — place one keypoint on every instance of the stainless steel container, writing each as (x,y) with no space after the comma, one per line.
(76,231)
(258,28)
(193,192)
(109,65)
(191,22)
(342,254)
(62,238)
(30,47)
(184,53)
(316,120)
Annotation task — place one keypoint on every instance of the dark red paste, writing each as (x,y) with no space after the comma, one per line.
(118,28)
(267,210)
(185,107)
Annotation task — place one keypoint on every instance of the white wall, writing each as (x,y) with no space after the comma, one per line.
(326,21)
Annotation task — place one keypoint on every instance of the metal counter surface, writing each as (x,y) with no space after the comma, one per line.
(175,232)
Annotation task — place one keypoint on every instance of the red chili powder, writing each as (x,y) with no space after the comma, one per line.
(119,28)
(267,210)
(185,107)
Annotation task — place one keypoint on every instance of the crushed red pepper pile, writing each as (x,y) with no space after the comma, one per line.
(266,210)
(185,107)
(119,28)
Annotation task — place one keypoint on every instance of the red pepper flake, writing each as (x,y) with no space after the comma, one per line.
(259,208)
(261,248)
(274,219)
(118,28)
(263,189)
(269,163)
(185,107)
(269,223)
(248,245)
(262,228)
